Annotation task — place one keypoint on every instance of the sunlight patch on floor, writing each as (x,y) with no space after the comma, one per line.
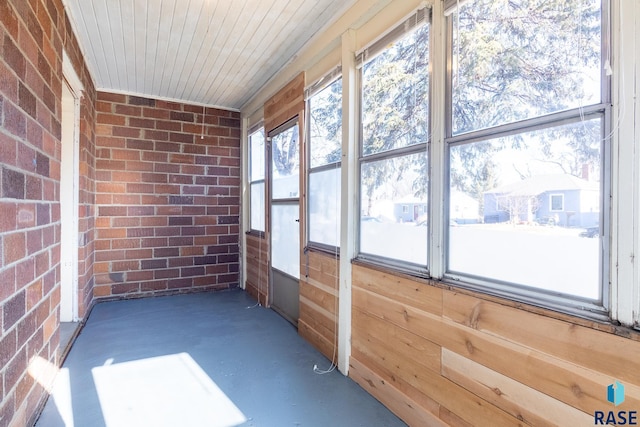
(167,391)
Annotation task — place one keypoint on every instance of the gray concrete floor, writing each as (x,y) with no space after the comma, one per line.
(211,359)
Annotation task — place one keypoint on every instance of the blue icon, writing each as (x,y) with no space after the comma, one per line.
(615,393)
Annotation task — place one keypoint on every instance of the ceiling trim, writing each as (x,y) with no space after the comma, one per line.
(165,98)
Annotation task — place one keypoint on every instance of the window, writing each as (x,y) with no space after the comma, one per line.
(556,202)
(325,148)
(527,144)
(394,76)
(256,180)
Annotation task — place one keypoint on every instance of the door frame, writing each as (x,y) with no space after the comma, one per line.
(69,200)
(292,122)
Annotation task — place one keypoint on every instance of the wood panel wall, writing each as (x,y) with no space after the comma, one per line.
(319,283)
(436,356)
(257,255)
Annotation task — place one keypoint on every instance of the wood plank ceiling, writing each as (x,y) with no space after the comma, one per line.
(213,52)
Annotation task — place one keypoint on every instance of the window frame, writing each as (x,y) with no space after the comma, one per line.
(321,84)
(573,305)
(422,16)
(256,129)
(551,197)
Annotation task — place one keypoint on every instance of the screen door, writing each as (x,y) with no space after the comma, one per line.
(285,220)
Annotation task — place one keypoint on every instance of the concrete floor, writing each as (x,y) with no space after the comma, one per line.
(211,359)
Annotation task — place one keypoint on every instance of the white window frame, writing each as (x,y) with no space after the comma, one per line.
(601,310)
(422,16)
(324,82)
(252,181)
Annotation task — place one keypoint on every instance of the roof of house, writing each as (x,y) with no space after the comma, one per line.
(539,184)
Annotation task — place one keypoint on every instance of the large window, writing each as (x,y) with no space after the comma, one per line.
(394,75)
(527,143)
(256,180)
(325,141)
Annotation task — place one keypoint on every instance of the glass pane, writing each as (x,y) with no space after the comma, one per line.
(395,95)
(285,238)
(285,164)
(256,152)
(521,59)
(324,207)
(525,209)
(257,206)
(325,125)
(393,209)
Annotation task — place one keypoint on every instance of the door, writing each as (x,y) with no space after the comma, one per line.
(69,176)
(285,220)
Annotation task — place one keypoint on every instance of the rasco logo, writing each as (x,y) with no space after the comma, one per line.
(615,395)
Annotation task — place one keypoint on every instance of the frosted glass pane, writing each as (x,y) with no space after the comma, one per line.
(324,207)
(285,238)
(393,208)
(257,206)
(256,160)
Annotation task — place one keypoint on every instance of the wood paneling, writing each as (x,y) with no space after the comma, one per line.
(257,280)
(608,353)
(285,104)
(519,400)
(495,364)
(319,302)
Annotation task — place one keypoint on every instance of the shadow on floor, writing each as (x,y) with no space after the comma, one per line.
(212,359)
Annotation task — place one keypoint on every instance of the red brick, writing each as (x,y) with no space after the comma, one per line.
(125,243)
(126,132)
(117,165)
(139,253)
(154,221)
(140,166)
(125,265)
(154,242)
(166,274)
(111,119)
(14,309)
(125,288)
(142,123)
(167,146)
(192,271)
(155,113)
(128,177)
(110,187)
(140,188)
(8,214)
(110,141)
(168,126)
(181,137)
(167,167)
(126,199)
(139,144)
(34,241)
(104,107)
(14,247)
(153,286)
(112,97)
(128,110)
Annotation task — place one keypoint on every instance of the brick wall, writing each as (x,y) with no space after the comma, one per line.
(32,36)
(167,199)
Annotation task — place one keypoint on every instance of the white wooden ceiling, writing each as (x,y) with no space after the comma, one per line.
(213,52)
